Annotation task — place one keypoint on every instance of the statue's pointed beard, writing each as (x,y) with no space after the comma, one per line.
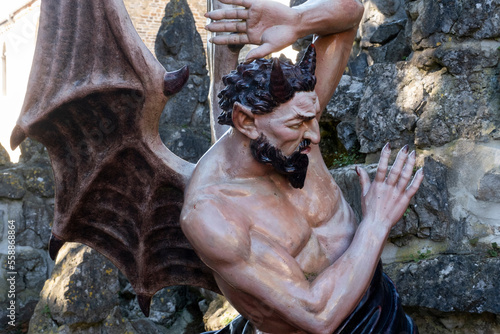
(294,167)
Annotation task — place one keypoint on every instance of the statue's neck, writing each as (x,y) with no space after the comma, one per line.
(239,156)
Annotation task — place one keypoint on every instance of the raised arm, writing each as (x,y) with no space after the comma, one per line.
(222,59)
(274,26)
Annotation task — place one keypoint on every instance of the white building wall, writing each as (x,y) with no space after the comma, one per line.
(17,45)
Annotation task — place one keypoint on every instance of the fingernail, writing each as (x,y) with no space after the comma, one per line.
(387,147)
(357,170)
(412,154)
(405,149)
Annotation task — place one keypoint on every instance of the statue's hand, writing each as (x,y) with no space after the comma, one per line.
(385,200)
(266,23)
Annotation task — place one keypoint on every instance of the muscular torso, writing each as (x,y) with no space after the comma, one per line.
(314,225)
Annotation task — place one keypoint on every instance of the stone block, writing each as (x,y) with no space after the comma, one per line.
(83,289)
(11,185)
(431,202)
(34,229)
(489,187)
(476,19)
(449,283)
(33,151)
(457,106)
(380,118)
(467,57)
(31,268)
(39,180)
(184,123)
(344,104)
(4,157)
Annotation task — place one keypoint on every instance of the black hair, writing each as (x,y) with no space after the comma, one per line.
(250,85)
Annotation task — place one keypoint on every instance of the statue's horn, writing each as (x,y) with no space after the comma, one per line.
(55,245)
(279,87)
(174,81)
(308,61)
(17,137)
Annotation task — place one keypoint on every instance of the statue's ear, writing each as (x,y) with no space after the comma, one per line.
(244,120)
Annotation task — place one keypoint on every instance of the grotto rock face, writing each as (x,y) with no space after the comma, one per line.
(423,72)
(440,96)
(185,121)
(380,117)
(87,294)
(26,200)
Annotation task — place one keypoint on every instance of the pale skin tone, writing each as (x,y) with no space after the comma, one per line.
(291,260)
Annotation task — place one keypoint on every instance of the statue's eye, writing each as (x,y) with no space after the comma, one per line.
(295,126)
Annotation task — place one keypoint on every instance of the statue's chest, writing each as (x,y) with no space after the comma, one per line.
(317,202)
(281,224)
(289,219)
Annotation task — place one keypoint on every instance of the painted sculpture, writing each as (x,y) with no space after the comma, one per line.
(265,223)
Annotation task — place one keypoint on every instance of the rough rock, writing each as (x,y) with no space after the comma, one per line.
(489,187)
(403,104)
(357,65)
(87,294)
(167,307)
(432,321)
(467,57)
(389,43)
(33,152)
(39,181)
(340,113)
(11,185)
(184,124)
(453,107)
(31,272)
(387,32)
(345,102)
(478,19)
(431,202)
(34,229)
(2,225)
(83,288)
(463,283)
(388,7)
(4,157)
(348,182)
(381,118)
(219,314)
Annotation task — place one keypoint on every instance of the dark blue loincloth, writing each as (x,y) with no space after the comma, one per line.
(379,312)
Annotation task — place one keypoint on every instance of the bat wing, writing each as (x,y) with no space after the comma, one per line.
(94,99)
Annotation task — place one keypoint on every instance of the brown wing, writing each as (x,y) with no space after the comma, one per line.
(94,99)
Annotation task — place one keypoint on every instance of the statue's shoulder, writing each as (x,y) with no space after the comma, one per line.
(211,216)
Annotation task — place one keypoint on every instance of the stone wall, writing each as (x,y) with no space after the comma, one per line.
(424,73)
(26,200)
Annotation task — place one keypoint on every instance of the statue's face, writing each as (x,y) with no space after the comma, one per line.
(291,124)
(285,136)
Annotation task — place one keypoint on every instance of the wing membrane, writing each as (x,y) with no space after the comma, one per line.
(94,99)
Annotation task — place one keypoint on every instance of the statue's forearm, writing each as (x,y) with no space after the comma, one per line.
(338,290)
(324,17)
